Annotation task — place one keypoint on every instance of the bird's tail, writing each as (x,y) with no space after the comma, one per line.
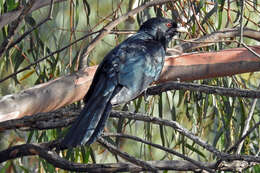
(92,118)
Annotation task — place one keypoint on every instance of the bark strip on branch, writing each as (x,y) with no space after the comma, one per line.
(68,89)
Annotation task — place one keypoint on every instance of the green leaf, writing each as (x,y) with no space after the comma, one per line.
(30,136)
(5,167)
(195,150)
(30,20)
(85,152)
(11,5)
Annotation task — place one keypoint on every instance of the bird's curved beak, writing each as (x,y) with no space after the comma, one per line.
(179,29)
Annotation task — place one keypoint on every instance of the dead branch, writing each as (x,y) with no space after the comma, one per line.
(229,92)
(45,151)
(194,162)
(127,157)
(41,120)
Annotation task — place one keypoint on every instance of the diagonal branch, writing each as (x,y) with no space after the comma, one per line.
(114,23)
(44,151)
(11,16)
(197,163)
(47,56)
(235,146)
(14,27)
(131,159)
(49,17)
(175,125)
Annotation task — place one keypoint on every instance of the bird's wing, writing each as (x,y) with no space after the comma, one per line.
(140,63)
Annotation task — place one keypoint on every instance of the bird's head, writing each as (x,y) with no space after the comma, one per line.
(161,29)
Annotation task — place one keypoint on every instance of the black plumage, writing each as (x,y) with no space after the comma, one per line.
(125,72)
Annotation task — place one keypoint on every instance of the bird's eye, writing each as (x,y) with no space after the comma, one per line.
(168,25)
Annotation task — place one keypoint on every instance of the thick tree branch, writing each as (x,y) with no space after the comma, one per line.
(210,64)
(65,117)
(68,89)
(42,121)
(56,118)
(44,151)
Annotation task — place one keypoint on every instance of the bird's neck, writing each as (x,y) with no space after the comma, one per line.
(159,37)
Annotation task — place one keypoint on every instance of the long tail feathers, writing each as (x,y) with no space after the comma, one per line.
(91,120)
(101,124)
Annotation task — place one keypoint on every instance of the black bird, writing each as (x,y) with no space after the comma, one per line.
(125,72)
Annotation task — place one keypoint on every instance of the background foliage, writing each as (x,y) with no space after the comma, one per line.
(220,120)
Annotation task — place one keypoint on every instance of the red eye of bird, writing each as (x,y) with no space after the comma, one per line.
(168,25)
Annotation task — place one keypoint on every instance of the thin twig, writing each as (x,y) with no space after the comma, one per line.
(233,147)
(247,123)
(114,23)
(47,56)
(210,39)
(49,17)
(175,125)
(14,27)
(126,156)
(251,50)
(230,92)
(198,164)
(196,19)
